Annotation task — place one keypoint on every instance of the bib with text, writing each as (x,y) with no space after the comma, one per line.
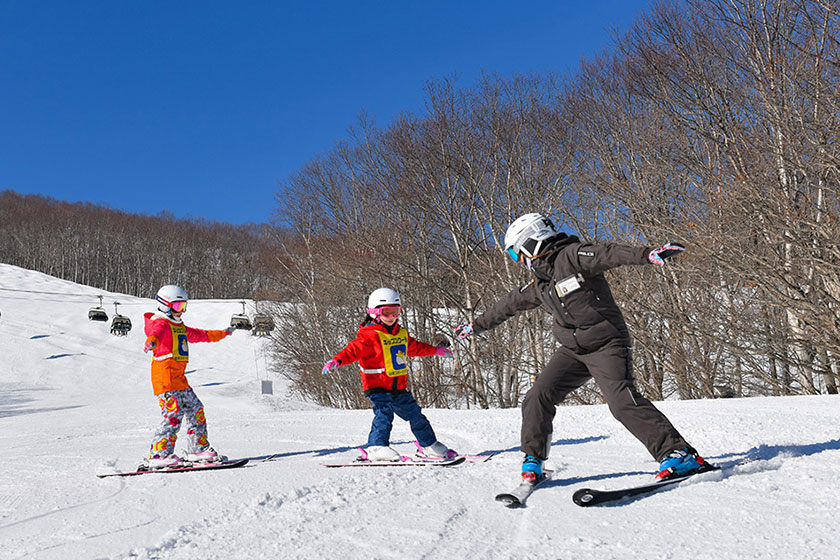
(395,351)
(180,348)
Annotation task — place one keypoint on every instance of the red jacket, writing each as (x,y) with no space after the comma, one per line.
(382,355)
(169,361)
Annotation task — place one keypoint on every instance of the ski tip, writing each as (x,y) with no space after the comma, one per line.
(584,497)
(509,501)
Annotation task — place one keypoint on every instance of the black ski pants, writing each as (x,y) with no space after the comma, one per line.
(612,369)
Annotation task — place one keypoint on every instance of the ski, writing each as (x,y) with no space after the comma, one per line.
(516,497)
(477,458)
(466,458)
(142,469)
(451,454)
(419,460)
(404,461)
(586,497)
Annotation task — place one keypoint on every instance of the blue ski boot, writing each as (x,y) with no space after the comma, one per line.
(532,469)
(678,463)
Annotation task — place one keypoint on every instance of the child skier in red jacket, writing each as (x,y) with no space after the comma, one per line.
(381,346)
(168,338)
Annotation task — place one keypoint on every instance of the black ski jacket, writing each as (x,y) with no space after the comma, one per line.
(585,318)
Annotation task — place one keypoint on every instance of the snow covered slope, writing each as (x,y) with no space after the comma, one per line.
(75,401)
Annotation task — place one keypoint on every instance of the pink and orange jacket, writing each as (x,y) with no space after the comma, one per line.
(171,352)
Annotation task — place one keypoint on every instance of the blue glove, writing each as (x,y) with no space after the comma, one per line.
(330,366)
(658,256)
(464,331)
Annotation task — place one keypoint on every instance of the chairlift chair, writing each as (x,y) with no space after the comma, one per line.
(263,324)
(97,313)
(121,324)
(241,321)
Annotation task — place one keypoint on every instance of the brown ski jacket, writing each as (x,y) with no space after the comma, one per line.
(570,283)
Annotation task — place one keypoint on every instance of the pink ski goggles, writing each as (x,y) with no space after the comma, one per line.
(176,306)
(387,311)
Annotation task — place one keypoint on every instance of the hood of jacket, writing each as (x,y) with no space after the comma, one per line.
(543,267)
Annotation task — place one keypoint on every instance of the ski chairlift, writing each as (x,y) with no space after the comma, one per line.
(97,313)
(241,321)
(263,324)
(121,324)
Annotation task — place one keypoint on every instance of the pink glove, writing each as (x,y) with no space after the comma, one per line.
(464,331)
(658,256)
(330,366)
(150,344)
(443,351)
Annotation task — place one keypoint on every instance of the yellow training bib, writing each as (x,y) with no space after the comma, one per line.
(180,348)
(395,352)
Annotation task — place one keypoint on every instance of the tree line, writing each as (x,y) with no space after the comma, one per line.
(713,123)
(130,253)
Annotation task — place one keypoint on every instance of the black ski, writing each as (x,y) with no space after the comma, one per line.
(516,497)
(586,497)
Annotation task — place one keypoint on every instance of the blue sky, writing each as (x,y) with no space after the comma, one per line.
(200,108)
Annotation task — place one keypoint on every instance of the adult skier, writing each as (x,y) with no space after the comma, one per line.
(568,280)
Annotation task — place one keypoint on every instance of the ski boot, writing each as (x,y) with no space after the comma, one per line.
(435,451)
(157,462)
(678,463)
(209,455)
(532,470)
(381,453)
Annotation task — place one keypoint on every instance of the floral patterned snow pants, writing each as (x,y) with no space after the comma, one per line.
(176,406)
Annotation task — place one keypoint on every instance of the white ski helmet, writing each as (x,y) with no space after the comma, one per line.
(529,235)
(382,297)
(168,295)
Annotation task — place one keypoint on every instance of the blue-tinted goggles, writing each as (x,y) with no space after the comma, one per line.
(528,249)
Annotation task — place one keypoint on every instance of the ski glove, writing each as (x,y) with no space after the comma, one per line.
(464,331)
(331,365)
(230,330)
(151,342)
(443,351)
(658,256)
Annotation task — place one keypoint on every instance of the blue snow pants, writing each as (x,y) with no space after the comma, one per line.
(385,405)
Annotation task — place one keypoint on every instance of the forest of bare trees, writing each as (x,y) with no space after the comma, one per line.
(711,122)
(129,253)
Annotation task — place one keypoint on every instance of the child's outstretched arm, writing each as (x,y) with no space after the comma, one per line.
(349,354)
(201,335)
(417,348)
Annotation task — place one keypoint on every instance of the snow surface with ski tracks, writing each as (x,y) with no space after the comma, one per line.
(76,401)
